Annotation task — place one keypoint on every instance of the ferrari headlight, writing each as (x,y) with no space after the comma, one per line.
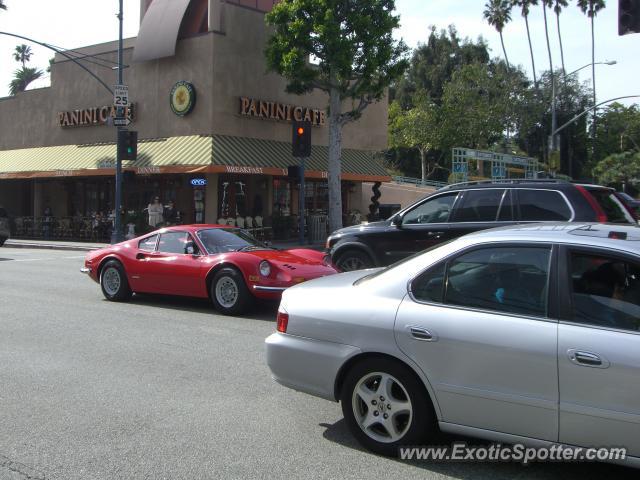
(265,268)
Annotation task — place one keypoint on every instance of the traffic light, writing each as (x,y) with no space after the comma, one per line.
(127,145)
(628,16)
(301,141)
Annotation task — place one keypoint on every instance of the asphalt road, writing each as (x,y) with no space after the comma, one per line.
(166,389)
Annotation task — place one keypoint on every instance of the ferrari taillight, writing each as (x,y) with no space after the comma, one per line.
(282,321)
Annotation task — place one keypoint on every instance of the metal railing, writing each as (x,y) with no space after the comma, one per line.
(418,182)
(63,228)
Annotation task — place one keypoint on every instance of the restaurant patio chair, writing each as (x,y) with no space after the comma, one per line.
(264,231)
(19,221)
(231,222)
(222,221)
(240,222)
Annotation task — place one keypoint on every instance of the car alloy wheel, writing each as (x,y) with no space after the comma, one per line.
(229,292)
(226,292)
(382,407)
(114,283)
(386,405)
(354,260)
(111,281)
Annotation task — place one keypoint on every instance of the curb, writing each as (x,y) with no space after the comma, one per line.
(49,246)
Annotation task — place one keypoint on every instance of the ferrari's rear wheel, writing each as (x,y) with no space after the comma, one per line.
(113,281)
(229,293)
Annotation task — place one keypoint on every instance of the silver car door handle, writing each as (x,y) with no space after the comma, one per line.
(587,359)
(423,334)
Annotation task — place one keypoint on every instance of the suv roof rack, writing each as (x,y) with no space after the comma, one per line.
(505,181)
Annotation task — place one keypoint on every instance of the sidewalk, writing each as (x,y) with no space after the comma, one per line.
(88,246)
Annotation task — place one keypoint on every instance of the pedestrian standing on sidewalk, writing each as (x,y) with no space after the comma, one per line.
(47,222)
(156,211)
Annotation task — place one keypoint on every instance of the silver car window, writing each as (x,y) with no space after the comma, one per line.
(605,291)
(501,279)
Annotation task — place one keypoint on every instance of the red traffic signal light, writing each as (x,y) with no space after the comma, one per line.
(301,141)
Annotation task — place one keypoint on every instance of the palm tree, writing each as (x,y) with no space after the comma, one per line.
(498,14)
(22,54)
(554,121)
(22,78)
(2,5)
(591,8)
(558,5)
(524,5)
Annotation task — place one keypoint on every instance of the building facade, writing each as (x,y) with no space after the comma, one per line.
(214,131)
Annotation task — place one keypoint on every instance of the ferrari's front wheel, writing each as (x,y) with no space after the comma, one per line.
(113,282)
(229,293)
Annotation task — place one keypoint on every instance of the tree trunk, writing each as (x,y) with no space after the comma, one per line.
(553,81)
(335,150)
(533,62)
(560,40)
(423,161)
(504,50)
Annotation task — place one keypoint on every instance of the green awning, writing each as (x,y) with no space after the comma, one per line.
(190,150)
(193,150)
(251,152)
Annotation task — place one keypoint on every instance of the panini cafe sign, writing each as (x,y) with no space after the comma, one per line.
(92,116)
(264,110)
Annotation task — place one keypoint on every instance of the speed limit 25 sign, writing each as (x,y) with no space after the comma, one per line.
(121,96)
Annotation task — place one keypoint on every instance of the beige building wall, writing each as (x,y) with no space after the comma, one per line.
(221,66)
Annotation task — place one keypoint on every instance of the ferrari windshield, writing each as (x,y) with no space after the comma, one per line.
(223,240)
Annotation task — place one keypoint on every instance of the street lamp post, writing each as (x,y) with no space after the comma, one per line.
(553,142)
(116,234)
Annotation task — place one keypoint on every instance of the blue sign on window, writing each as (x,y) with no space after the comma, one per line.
(198,182)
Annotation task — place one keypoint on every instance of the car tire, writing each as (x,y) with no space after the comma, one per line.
(114,283)
(386,406)
(354,260)
(229,292)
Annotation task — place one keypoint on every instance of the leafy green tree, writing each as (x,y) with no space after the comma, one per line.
(618,129)
(558,5)
(498,14)
(357,60)
(22,78)
(619,169)
(417,128)
(525,6)
(433,63)
(22,54)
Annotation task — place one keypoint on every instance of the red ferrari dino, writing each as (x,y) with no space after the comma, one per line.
(219,262)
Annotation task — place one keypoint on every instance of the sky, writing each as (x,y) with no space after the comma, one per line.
(75,23)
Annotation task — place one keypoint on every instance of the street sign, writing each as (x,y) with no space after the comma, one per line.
(120,95)
(121,122)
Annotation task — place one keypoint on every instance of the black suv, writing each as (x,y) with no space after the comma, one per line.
(462,208)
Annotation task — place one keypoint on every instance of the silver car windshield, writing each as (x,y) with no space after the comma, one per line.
(381,271)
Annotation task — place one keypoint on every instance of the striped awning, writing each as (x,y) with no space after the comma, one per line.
(191,150)
(252,152)
(202,153)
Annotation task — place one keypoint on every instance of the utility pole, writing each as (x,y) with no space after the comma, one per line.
(116,234)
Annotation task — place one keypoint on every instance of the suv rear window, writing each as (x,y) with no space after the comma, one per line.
(613,208)
(479,205)
(543,205)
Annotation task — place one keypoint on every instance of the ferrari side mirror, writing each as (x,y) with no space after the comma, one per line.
(190,248)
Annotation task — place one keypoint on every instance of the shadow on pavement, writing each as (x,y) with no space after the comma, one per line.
(339,433)
(260,310)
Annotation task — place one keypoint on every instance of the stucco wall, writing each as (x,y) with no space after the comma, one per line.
(222,68)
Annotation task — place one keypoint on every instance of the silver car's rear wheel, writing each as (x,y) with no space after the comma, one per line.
(382,407)
(386,405)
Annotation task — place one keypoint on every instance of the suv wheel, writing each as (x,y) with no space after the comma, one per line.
(354,260)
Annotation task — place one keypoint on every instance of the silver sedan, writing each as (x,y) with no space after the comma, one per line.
(527,335)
